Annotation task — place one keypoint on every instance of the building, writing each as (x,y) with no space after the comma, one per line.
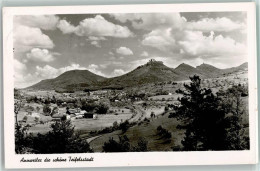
(58,116)
(89,115)
(73,111)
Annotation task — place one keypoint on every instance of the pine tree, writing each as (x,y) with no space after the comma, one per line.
(202,116)
(61,139)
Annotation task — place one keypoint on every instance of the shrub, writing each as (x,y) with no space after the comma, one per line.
(61,139)
(115,125)
(46,109)
(159,128)
(25,118)
(146,120)
(141,145)
(124,126)
(165,134)
(113,146)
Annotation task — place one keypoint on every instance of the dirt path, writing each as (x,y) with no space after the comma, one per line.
(138,113)
(93,138)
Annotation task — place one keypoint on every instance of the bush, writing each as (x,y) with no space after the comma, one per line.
(141,145)
(25,118)
(124,126)
(115,125)
(165,134)
(102,108)
(46,109)
(61,139)
(146,120)
(113,146)
(159,128)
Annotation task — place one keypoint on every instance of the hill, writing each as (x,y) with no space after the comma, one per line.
(209,70)
(241,67)
(75,79)
(151,72)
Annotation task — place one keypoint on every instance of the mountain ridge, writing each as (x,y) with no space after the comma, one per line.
(151,72)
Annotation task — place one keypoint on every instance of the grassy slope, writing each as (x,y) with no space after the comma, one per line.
(147,131)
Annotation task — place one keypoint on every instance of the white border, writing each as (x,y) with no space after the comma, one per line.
(131,159)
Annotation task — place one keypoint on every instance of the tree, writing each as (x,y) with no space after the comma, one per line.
(37,109)
(113,146)
(46,109)
(53,100)
(205,119)
(233,104)
(17,107)
(21,142)
(25,118)
(36,119)
(141,145)
(54,111)
(164,133)
(124,126)
(115,125)
(152,115)
(102,108)
(61,139)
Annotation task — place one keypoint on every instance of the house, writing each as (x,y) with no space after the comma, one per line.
(82,112)
(95,116)
(73,111)
(58,116)
(35,115)
(88,115)
(79,116)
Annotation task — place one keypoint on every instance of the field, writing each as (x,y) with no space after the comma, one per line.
(146,113)
(101,122)
(146,130)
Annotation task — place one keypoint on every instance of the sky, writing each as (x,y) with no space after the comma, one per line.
(113,44)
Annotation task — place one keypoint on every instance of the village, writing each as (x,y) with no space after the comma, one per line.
(96,110)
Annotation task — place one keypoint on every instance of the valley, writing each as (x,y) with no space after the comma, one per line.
(142,99)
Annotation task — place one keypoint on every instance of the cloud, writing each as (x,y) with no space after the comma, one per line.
(48,72)
(124,51)
(152,21)
(19,66)
(97,26)
(26,38)
(95,43)
(118,72)
(193,43)
(110,63)
(110,53)
(19,70)
(171,33)
(160,39)
(95,69)
(42,55)
(94,38)
(196,44)
(176,22)
(144,53)
(41,73)
(66,27)
(45,22)
(215,24)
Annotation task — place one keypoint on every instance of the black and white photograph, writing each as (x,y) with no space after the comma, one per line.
(131,82)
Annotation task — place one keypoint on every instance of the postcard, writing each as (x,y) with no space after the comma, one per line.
(130,85)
